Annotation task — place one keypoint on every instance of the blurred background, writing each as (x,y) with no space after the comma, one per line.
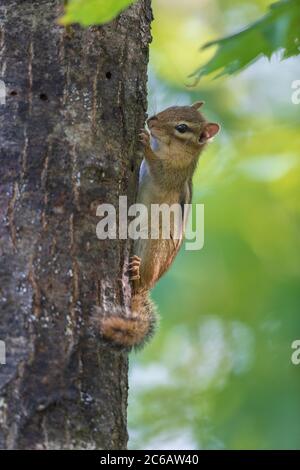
(219,373)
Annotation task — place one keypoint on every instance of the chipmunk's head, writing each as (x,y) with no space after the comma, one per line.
(181,130)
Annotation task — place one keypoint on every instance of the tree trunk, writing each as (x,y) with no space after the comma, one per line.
(76,99)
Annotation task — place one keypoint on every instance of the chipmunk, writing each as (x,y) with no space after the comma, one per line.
(178,135)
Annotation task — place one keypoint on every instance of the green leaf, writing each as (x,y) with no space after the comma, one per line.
(278,30)
(90,12)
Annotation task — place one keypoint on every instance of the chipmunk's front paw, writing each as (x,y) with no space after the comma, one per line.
(134,268)
(145,138)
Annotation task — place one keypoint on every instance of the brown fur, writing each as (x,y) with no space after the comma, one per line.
(169,171)
(127,331)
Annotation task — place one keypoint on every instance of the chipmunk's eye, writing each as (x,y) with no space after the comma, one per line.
(182,128)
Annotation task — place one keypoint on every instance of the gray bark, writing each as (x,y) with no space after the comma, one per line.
(76,99)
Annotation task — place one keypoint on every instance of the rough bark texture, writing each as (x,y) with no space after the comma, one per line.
(76,100)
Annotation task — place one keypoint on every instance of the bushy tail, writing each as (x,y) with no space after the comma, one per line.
(127,330)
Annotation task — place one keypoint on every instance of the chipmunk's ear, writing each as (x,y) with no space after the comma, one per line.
(210,130)
(198,104)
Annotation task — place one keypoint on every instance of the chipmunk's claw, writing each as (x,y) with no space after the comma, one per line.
(145,137)
(134,268)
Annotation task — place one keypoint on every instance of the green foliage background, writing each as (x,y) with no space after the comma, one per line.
(219,373)
(90,12)
(277,30)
